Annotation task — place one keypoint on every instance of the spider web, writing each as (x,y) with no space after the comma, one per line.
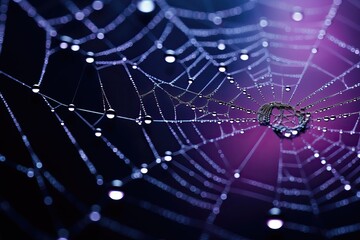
(160,107)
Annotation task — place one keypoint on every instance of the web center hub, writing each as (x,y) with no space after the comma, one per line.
(285,120)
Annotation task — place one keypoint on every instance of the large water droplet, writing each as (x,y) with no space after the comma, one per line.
(35,88)
(148,119)
(110,113)
(170,56)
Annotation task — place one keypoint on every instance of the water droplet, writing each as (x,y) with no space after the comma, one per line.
(89,59)
(221,46)
(159,45)
(35,88)
(275,219)
(100,35)
(64,45)
(168,156)
(297,15)
(217,20)
(170,56)
(48,200)
(94,216)
(75,47)
(144,170)
(287,134)
(347,187)
(71,107)
(98,132)
(116,183)
(222,68)
(148,119)
(97,5)
(244,56)
(263,23)
(116,195)
(146,6)
(328,168)
(231,79)
(110,113)
(79,16)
